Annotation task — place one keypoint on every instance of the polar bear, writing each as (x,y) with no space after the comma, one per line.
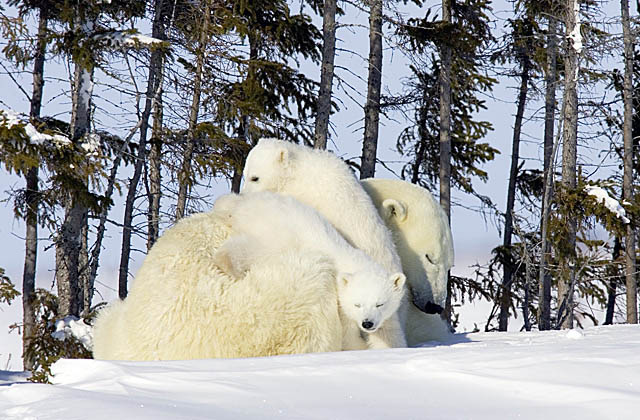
(265,223)
(181,306)
(323,181)
(423,240)
(421,233)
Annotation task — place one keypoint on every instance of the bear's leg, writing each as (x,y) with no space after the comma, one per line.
(389,335)
(352,338)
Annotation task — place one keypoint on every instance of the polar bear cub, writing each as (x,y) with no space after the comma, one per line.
(323,181)
(264,223)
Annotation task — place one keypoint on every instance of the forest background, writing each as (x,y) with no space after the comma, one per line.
(256,66)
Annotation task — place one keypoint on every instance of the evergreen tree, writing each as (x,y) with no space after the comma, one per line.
(469,37)
(550,81)
(162,16)
(522,48)
(572,50)
(630,239)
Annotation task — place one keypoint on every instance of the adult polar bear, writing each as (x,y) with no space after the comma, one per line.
(181,306)
(421,233)
(423,241)
(323,181)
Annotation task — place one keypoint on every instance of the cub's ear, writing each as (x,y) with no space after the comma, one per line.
(398,280)
(394,209)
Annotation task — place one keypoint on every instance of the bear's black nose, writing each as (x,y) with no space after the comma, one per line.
(367,325)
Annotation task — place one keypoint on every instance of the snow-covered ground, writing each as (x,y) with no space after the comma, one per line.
(592,374)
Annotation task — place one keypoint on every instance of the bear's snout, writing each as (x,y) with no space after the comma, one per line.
(367,325)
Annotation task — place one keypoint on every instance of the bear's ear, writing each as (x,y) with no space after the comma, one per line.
(398,280)
(394,209)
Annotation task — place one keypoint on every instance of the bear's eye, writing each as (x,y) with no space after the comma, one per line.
(254,179)
(429,259)
(379,305)
(357,305)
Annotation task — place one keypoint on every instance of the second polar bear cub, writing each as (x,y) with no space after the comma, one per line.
(264,223)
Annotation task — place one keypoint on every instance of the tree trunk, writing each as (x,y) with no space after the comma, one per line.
(30,258)
(155,174)
(184,175)
(69,242)
(544,283)
(374,83)
(445,117)
(527,297)
(236,180)
(155,152)
(614,278)
(507,280)
(567,279)
(84,277)
(154,88)
(68,246)
(630,251)
(326,74)
(31,200)
(95,253)
(417,163)
(445,134)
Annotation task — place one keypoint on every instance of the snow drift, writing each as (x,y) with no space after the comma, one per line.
(592,374)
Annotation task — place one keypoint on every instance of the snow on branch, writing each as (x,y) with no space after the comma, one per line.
(611,204)
(124,39)
(11,119)
(91,144)
(72,326)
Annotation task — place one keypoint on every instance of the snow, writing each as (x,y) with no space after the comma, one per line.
(610,203)
(143,39)
(85,89)
(576,35)
(550,375)
(12,118)
(118,39)
(36,137)
(72,326)
(91,144)
(574,335)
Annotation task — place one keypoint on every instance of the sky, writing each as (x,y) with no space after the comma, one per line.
(474,234)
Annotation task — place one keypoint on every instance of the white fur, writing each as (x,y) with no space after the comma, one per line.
(423,240)
(181,306)
(323,181)
(265,222)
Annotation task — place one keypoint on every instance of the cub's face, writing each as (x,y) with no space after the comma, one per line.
(265,168)
(368,299)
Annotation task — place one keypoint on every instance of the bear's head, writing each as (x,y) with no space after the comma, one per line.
(421,233)
(266,166)
(369,299)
